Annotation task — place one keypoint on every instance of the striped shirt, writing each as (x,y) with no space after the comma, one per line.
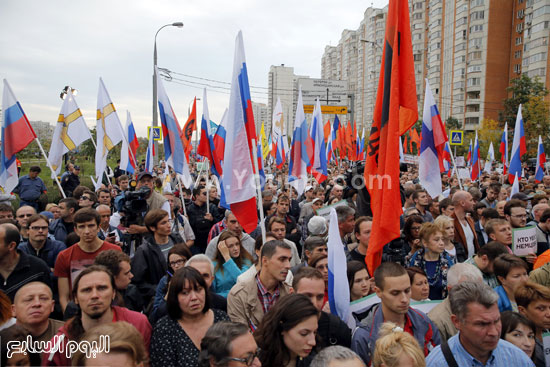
(504,355)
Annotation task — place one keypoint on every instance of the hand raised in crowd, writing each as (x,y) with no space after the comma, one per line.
(224,250)
(208,216)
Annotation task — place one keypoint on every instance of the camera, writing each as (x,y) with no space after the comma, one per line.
(133,205)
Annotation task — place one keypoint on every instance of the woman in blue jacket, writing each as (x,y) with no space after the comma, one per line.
(231,261)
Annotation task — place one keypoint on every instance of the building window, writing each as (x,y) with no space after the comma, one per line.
(517,54)
(476,28)
(521,13)
(477,15)
(519,27)
(517,68)
(474,82)
(418,57)
(519,40)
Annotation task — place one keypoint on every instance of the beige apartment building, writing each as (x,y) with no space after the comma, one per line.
(469,50)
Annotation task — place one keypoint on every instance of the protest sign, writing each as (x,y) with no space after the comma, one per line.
(524,241)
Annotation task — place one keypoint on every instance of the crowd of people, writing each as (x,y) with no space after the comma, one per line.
(172,279)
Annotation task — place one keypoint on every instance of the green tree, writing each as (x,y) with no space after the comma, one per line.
(452,124)
(520,91)
(536,122)
(490,131)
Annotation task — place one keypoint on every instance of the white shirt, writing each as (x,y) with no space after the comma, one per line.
(469,238)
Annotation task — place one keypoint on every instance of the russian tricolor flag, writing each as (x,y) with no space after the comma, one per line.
(518,149)
(173,145)
(447,160)
(541,161)
(129,146)
(319,150)
(504,149)
(299,158)
(238,173)
(469,156)
(475,160)
(150,154)
(17,133)
(432,145)
(219,143)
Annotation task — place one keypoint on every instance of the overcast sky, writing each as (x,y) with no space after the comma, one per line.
(49,44)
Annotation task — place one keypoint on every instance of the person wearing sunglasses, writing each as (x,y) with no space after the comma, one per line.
(229,344)
(21,216)
(87,200)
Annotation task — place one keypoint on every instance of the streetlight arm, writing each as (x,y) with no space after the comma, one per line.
(373,43)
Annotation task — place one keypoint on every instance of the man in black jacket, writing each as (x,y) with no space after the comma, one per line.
(201,219)
(331,329)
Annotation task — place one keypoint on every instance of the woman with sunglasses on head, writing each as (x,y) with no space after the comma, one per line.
(287,335)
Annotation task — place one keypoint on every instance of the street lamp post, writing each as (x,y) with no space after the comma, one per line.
(155,113)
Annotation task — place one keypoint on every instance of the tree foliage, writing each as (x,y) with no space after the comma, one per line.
(520,91)
(536,122)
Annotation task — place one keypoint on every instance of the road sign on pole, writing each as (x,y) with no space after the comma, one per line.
(457,137)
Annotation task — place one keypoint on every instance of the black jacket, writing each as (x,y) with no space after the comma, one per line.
(149,266)
(69,183)
(28,269)
(200,225)
(333,331)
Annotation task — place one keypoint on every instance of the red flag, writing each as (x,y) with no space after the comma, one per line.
(188,128)
(405,144)
(415,138)
(354,142)
(395,111)
(326,131)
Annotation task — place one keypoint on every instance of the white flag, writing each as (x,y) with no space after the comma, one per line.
(108,129)
(490,159)
(70,131)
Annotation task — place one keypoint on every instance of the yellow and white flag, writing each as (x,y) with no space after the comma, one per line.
(266,149)
(108,129)
(70,131)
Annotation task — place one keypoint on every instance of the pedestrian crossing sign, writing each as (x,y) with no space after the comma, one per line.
(157,133)
(457,137)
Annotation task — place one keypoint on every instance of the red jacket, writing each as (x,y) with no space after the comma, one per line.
(56,358)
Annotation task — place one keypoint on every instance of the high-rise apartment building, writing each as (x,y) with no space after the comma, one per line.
(469,50)
(282,84)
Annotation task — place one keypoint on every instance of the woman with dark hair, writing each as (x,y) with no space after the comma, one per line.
(287,334)
(231,260)
(518,330)
(420,289)
(411,233)
(177,336)
(177,257)
(360,283)
(403,247)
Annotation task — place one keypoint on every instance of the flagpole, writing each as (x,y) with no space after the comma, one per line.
(181,195)
(456,168)
(51,168)
(207,187)
(258,189)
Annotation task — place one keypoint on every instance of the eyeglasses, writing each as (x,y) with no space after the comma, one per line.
(39,228)
(85,198)
(178,262)
(248,360)
(24,216)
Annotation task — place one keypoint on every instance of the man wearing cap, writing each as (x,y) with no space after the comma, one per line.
(154,201)
(71,181)
(308,196)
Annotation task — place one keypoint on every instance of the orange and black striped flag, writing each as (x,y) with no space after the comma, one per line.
(395,112)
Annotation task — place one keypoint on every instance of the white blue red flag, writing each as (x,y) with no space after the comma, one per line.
(206,146)
(299,159)
(238,171)
(219,143)
(504,149)
(469,156)
(338,286)
(447,159)
(541,162)
(319,167)
(332,140)
(150,154)
(261,170)
(17,133)
(518,149)
(432,145)
(475,161)
(129,147)
(174,153)
(515,186)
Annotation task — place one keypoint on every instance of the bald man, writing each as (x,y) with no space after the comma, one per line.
(32,306)
(465,232)
(536,212)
